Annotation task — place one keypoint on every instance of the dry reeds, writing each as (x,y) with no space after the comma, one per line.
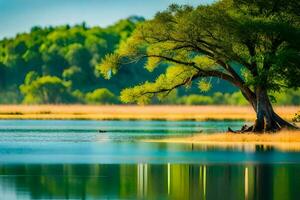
(199,113)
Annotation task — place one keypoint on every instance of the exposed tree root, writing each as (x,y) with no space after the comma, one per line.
(244,129)
(251,129)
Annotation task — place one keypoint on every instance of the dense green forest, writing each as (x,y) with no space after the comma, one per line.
(58,65)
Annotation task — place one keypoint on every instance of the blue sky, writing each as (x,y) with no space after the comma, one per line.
(20,15)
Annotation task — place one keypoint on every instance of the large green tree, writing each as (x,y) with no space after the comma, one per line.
(253,44)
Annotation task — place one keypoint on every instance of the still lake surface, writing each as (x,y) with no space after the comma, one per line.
(65,159)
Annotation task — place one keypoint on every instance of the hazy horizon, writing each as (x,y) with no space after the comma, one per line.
(18,16)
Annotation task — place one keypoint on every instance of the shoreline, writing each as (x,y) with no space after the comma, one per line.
(283,140)
(133,112)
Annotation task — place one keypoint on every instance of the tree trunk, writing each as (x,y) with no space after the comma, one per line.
(266,119)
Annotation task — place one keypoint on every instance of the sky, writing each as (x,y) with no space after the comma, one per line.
(20,15)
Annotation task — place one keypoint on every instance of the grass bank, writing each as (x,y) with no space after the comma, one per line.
(120,112)
(284,140)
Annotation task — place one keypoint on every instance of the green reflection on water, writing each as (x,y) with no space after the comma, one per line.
(151,181)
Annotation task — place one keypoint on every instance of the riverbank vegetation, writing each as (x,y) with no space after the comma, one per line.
(120,112)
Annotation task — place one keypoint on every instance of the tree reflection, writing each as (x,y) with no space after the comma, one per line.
(152,181)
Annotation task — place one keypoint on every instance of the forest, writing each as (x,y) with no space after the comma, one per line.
(58,65)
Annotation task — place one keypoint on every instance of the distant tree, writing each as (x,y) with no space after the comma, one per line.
(31,77)
(219,98)
(76,75)
(78,55)
(54,61)
(33,59)
(236,98)
(45,90)
(15,69)
(254,45)
(79,96)
(197,100)
(287,97)
(2,76)
(101,96)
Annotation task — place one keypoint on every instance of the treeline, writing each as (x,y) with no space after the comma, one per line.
(58,65)
(288,97)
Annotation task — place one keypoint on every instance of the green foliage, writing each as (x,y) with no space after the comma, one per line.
(109,66)
(174,76)
(152,63)
(297,117)
(75,75)
(46,90)
(30,77)
(217,98)
(71,72)
(236,99)
(220,98)
(196,100)
(287,97)
(204,86)
(79,96)
(69,53)
(10,97)
(101,96)
(251,44)
(78,55)
(171,98)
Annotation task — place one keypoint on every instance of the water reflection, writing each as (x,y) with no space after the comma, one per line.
(72,160)
(151,181)
(88,130)
(140,152)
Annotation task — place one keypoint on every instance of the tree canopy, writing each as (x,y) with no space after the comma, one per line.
(45,90)
(254,45)
(244,42)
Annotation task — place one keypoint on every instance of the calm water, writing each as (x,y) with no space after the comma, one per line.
(73,160)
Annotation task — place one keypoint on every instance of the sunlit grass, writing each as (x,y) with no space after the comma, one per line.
(282,136)
(283,140)
(200,113)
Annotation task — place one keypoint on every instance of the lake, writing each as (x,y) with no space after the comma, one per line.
(64,159)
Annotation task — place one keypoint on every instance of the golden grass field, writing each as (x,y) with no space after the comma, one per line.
(119,112)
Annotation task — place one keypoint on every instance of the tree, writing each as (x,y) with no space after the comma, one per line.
(101,96)
(2,76)
(45,90)
(76,75)
(253,44)
(78,55)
